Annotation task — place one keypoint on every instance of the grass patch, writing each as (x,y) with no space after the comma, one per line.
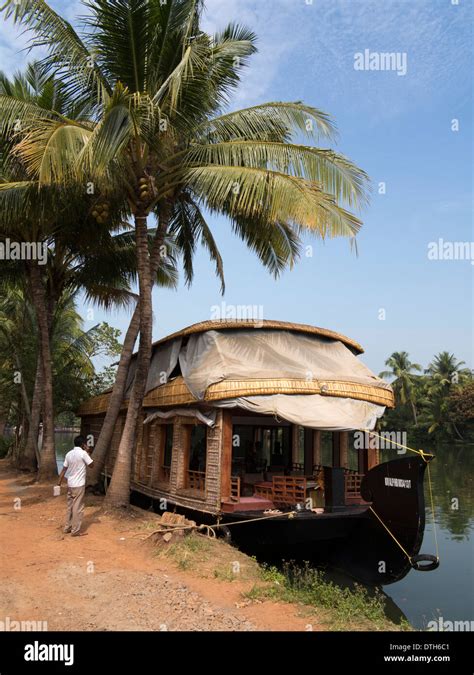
(210,558)
(342,608)
(188,552)
(335,607)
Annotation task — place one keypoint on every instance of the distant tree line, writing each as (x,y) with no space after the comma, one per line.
(437,400)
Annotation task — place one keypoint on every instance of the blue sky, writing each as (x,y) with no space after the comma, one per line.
(399,129)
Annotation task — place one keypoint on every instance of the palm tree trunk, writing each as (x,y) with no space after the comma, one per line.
(413,407)
(118,392)
(118,493)
(113,409)
(48,466)
(30,458)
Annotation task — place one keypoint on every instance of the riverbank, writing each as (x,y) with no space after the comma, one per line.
(119,578)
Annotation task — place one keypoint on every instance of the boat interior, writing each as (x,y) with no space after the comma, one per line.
(274,465)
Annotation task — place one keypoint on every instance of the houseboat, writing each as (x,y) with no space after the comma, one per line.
(263,428)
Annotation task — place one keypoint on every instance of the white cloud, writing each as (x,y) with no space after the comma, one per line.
(268,20)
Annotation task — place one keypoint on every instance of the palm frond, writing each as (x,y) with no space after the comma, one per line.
(254,122)
(50,152)
(68,57)
(256,193)
(339,176)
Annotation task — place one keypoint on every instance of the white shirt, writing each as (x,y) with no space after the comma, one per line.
(76,462)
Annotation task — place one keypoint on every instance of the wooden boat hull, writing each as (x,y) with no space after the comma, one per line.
(352,539)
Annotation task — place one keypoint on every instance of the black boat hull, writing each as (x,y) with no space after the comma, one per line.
(364,541)
(353,540)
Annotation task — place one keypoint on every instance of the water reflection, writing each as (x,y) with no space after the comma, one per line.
(447,591)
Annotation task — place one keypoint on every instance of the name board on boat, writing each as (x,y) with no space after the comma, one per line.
(397,482)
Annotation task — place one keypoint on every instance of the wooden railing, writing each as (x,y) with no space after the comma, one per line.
(235,488)
(291,490)
(353,481)
(196,480)
(288,490)
(264,490)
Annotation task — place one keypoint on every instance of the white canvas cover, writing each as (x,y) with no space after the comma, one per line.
(208,417)
(254,354)
(312,411)
(163,362)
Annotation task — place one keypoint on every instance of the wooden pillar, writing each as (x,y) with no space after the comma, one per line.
(317,447)
(308,452)
(344,448)
(362,460)
(226,454)
(336,449)
(180,455)
(295,437)
(372,452)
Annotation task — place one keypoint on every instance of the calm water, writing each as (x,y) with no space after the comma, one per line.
(448,591)
(64,443)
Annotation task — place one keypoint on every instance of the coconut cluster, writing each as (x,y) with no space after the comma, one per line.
(101,211)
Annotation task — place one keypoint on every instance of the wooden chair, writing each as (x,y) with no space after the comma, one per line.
(288,490)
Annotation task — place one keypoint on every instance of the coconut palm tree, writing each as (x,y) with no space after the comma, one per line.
(445,373)
(18,347)
(446,370)
(157,133)
(402,370)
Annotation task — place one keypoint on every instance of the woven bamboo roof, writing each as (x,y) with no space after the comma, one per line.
(176,393)
(262,324)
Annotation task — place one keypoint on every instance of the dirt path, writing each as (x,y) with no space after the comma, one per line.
(110,579)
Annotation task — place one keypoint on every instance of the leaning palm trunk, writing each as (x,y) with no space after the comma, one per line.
(48,467)
(30,459)
(118,493)
(118,392)
(116,399)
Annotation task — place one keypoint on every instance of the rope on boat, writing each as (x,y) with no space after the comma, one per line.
(422,453)
(433,513)
(414,560)
(212,528)
(390,533)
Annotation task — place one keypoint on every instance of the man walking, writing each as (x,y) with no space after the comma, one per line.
(75,463)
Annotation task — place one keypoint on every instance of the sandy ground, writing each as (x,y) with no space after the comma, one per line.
(112,578)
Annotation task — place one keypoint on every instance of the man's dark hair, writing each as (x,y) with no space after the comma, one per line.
(79,441)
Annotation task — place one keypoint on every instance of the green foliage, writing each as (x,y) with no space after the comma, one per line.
(440,402)
(461,405)
(73,351)
(105,341)
(345,608)
(156,131)
(5,445)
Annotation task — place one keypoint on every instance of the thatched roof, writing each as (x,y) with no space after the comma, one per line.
(262,324)
(279,367)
